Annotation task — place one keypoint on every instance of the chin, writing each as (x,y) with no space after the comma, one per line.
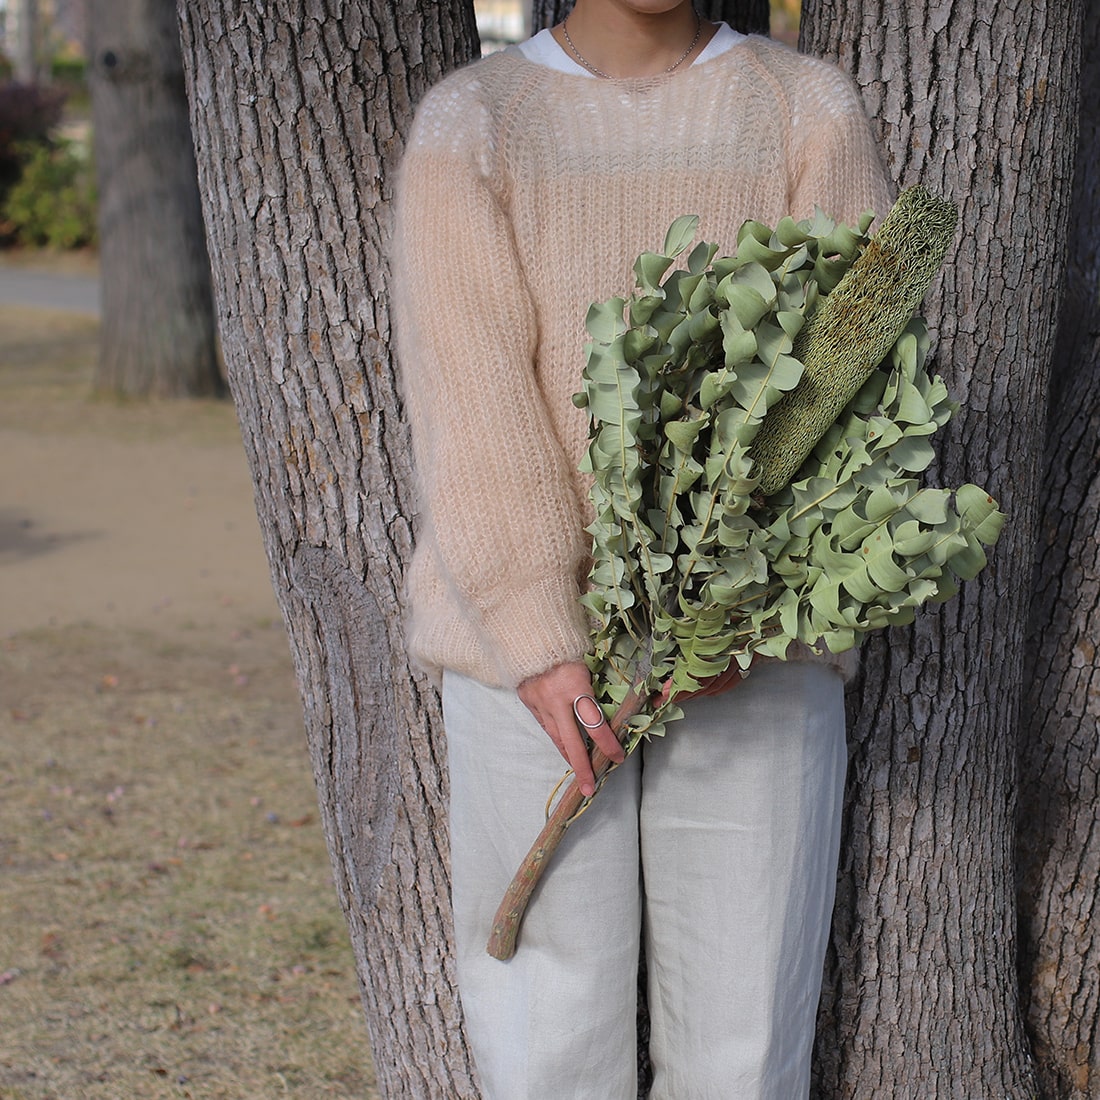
(652,7)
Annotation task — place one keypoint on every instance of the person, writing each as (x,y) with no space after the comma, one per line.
(531,180)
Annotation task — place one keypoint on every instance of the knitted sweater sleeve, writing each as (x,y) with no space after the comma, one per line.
(834,156)
(499,508)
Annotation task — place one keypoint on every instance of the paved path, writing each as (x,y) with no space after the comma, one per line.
(42,290)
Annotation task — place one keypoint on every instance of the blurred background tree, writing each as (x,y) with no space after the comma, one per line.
(157,336)
(21,39)
(106,76)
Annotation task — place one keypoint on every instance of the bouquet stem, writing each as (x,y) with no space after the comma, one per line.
(509,915)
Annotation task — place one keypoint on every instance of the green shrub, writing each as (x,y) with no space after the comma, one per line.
(68,70)
(53,202)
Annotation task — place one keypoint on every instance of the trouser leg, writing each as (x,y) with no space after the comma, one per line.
(557,1021)
(740,826)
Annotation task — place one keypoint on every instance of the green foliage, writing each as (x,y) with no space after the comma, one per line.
(692,569)
(53,202)
(69,69)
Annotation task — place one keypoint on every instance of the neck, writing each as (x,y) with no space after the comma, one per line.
(616,39)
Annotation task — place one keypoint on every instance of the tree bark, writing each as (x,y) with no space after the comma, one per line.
(1059,821)
(747,16)
(22,35)
(978,102)
(158,334)
(300,109)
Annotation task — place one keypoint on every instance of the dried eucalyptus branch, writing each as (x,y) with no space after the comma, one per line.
(693,566)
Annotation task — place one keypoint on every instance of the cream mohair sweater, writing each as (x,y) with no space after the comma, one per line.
(525,195)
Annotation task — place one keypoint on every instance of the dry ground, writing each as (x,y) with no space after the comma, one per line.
(168,926)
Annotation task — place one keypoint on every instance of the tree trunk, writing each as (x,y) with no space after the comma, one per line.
(21,32)
(158,334)
(1059,820)
(300,110)
(977,101)
(747,16)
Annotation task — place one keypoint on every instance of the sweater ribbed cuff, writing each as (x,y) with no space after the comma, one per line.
(541,625)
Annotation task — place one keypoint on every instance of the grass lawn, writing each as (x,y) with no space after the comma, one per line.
(168,925)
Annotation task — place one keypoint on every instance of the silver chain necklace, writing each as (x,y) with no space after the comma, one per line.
(607,76)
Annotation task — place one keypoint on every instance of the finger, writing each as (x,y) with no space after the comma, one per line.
(569,742)
(551,731)
(587,711)
(577,755)
(610,745)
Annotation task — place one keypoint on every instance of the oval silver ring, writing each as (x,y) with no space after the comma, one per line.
(576,713)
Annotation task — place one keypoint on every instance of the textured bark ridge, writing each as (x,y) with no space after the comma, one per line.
(157,337)
(299,112)
(360,776)
(1059,820)
(921,990)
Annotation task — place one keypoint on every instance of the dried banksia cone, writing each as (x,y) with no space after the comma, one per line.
(853,329)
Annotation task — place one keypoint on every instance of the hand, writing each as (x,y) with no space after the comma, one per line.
(549,697)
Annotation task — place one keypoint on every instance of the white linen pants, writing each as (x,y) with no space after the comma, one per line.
(721,838)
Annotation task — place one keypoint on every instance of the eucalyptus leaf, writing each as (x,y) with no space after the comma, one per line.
(682,434)
(738,344)
(605,319)
(680,234)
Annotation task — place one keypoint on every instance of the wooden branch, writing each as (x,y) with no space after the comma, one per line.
(509,915)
